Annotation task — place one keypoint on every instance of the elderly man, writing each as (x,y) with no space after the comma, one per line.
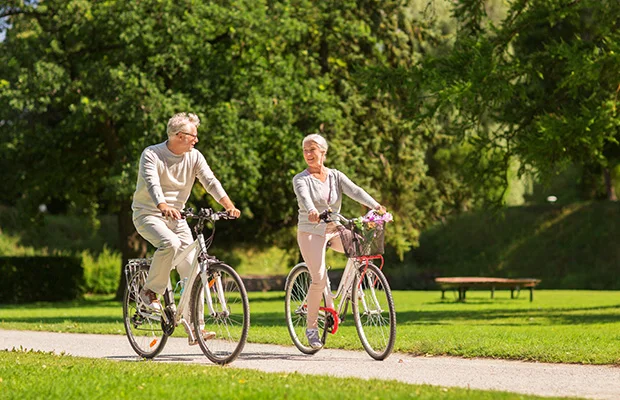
(167,173)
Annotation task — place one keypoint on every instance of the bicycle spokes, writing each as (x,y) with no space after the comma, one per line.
(142,326)
(373,312)
(295,300)
(221,309)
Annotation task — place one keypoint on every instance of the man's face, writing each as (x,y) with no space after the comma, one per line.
(188,137)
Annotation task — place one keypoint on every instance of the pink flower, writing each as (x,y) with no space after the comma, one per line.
(376,218)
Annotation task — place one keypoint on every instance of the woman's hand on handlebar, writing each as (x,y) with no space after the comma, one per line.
(313,216)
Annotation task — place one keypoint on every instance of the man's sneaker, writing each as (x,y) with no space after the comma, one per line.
(205,335)
(149,298)
(313,338)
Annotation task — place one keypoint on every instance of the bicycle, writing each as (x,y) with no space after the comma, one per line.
(363,284)
(217,300)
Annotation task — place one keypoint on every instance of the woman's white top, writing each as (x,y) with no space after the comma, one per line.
(312,194)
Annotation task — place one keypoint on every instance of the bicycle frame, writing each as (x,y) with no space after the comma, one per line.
(199,267)
(346,284)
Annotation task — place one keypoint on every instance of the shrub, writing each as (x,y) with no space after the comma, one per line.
(101,272)
(29,279)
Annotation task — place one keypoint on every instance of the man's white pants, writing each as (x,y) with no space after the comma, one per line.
(170,237)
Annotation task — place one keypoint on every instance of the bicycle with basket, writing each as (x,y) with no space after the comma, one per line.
(363,285)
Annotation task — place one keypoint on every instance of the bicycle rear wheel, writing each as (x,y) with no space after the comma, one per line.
(296,310)
(373,312)
(230,317)
(142,326)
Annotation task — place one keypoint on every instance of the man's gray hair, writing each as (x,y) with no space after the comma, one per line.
(179,122)
(316,138)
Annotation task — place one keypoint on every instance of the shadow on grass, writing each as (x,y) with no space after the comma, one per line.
(66,319)
(507,317)
(99,301)
(264,297)
(504,316)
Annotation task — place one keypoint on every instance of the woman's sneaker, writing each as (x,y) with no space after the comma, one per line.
(313,338)
(191,339)
(205,335)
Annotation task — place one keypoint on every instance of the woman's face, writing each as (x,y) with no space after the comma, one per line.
(313,154)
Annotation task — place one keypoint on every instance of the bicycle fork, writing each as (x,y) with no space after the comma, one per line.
(373,295)
(219,290)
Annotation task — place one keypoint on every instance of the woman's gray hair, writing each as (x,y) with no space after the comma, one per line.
(316,138)
(179,121)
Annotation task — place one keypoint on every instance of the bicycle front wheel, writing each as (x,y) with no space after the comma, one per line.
(296,308)
(373,312)
(142,326)
(227,314)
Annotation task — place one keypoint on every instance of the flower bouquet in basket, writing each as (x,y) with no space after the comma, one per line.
(366,235)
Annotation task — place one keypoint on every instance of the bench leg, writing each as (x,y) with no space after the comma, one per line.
(531,294)
(443,294)
(492,292)
(512,293)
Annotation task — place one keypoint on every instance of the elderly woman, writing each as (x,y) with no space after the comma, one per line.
(318,188)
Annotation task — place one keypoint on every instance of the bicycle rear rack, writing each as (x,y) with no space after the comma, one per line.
(133,264)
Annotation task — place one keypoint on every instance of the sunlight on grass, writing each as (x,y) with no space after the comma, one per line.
(29,375)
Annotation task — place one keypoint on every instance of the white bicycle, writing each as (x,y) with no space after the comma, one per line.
(214,295)
(363,284)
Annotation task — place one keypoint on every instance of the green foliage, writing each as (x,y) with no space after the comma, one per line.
(87,85)
(101,271)
(66,236)
(540,87)
(28,279)
(434,107)
(568,247)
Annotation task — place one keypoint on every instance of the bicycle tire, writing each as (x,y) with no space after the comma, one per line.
(296,291)
(231,324)
(143,329)
(373,312)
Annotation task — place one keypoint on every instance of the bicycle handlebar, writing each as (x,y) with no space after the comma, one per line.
(206,214)
(328,214)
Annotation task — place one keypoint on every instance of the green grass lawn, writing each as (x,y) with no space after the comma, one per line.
(559,326)
(33,375)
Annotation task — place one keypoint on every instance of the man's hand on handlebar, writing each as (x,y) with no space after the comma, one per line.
(169,212)
(233,212)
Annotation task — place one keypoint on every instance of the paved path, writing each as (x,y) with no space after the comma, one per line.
(596,382)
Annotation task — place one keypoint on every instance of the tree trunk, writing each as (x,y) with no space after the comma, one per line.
(609,185)
(132,244)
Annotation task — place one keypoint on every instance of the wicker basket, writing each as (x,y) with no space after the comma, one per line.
(358,243)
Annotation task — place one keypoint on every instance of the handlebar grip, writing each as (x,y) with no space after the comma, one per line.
(225,215)
(188,212)
(324,215)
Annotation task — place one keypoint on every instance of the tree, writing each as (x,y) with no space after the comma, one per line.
(86,85)
(541,87)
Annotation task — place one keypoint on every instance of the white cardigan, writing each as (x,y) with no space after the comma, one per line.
(310,196)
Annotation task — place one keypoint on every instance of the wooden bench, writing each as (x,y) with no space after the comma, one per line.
(464,283)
